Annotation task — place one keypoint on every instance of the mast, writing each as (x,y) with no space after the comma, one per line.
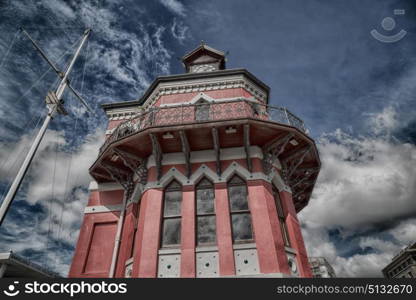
(54,104)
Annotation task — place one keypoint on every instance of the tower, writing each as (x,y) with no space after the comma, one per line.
(200,177)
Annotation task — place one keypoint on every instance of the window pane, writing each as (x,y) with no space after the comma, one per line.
(285,234)
(205,201)
(238,197)
(171,232)
(174,186)
(278,203)
(172,203)
(206,230)
(241,227)
(202,112)
(236,180)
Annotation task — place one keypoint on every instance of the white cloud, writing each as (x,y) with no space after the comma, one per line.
(63,175)
(384,122)
(175,6)
(364,182)
(179,31)
(119,59)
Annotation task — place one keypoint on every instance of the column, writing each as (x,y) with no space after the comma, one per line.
(224,234)
(139,236)
(262,227)
(295,234)
(150,237)
(279,244)
(188,232)
(127,238)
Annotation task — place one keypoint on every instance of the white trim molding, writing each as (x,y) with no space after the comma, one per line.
(203,170)
(102,208)
(102,187)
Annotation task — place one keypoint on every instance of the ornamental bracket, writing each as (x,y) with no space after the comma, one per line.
(247,146)
(157,154)
(216,142)
(134,163)
(293,161)
(186,151)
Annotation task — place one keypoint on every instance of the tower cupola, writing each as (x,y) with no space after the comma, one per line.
(204,59)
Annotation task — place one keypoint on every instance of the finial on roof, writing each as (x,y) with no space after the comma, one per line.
(202,43)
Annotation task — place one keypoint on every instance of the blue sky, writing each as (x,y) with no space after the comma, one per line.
(356,95)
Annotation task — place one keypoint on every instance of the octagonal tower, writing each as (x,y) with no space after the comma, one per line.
(200,177)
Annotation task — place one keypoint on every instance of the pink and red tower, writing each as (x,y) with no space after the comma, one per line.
(200,177)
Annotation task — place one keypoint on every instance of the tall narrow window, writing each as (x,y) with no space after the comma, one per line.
(202,110)
(205,213)
(171,236)
(240,213)
(281,216)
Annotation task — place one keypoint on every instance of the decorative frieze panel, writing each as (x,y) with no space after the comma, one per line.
(169,265)
(246,262)
(191,86)
(207,264)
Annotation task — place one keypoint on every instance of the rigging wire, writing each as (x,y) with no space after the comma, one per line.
(27,125)
(10,47)
(67,192)
(14,162)
(17,102)
(50,225)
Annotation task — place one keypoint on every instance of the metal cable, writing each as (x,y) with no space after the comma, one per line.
(10,47)
(51,202)
(13,166)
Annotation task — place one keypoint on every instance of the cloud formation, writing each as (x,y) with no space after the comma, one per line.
(125,52)
(364,200)
(175,6)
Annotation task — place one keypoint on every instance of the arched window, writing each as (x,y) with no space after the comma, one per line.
(240,213)
(205,213)
(172,200)
(281,216)
(202,110)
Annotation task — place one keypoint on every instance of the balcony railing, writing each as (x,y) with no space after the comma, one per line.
(203,112)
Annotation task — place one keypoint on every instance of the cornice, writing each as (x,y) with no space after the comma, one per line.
(194,82)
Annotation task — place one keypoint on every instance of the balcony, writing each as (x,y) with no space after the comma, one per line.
(186,128)
(203,112)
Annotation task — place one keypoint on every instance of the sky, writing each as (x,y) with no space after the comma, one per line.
(355,94)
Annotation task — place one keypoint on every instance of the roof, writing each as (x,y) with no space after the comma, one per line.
(19,267)
(176,77)
(203,48)
(398,256)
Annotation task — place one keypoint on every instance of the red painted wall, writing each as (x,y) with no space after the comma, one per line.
(94,249)
(217,94)
(95,245)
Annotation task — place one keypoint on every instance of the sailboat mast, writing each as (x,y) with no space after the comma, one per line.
(53,107)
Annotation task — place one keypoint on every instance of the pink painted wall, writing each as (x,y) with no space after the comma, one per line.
(217,94)
(92,257)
